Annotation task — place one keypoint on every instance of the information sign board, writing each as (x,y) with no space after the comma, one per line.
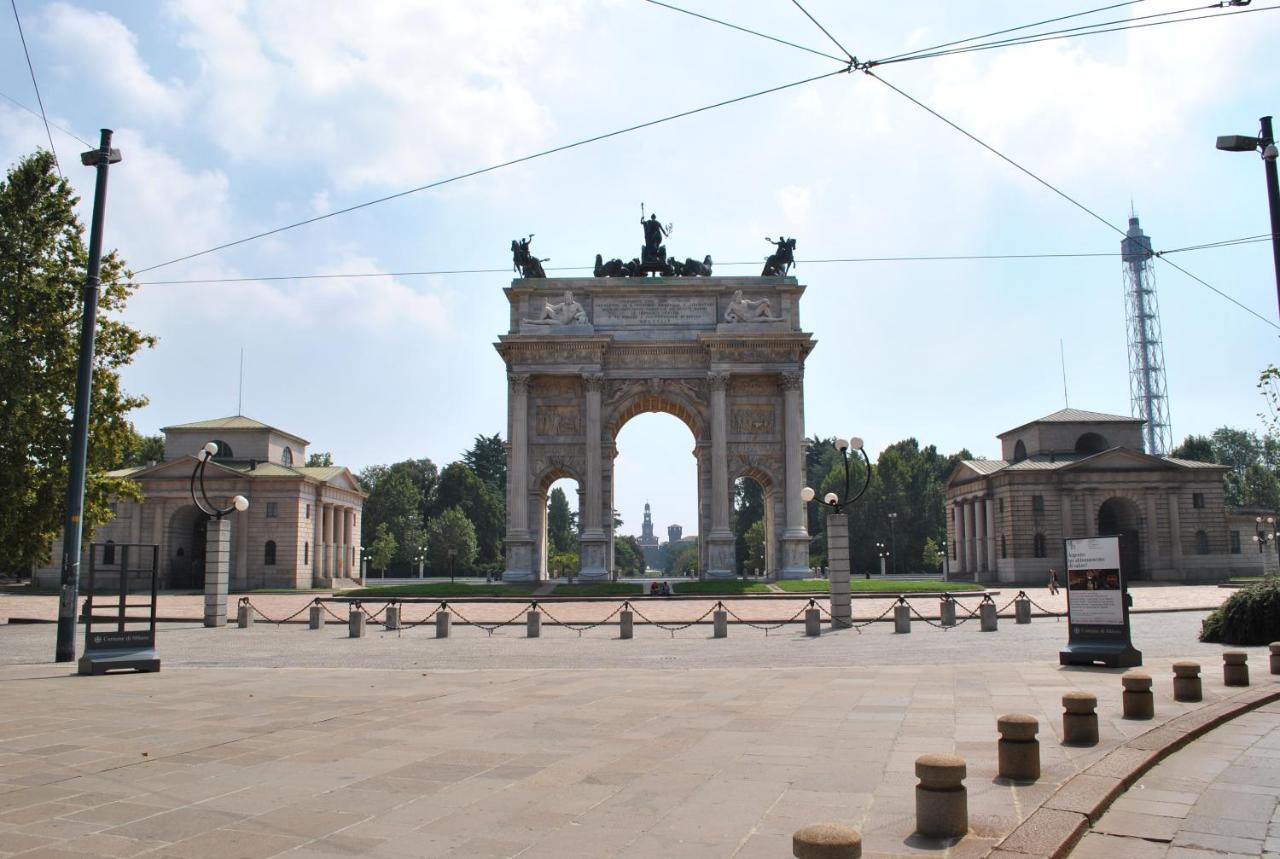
(1097,605)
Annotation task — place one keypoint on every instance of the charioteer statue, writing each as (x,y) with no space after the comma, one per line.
(523,260)
(780,261)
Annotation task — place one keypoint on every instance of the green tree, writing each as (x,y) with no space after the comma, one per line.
(451,530)
(754,543)
(628,557)
(748,511)
(683,562)
(42,270)
(488,459)
(1198,448)
(563,564)
(932,558)
(142,449)
(382,548)
(559,523)
(459,486)
(395,501)
(320,460)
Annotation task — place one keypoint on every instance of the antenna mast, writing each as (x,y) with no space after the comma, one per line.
(1148,394)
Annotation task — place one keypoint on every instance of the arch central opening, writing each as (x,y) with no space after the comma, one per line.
(657,492)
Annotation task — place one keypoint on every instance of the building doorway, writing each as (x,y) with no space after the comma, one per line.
(187,527)
(1120,517)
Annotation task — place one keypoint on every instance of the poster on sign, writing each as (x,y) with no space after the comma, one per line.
(1097,605)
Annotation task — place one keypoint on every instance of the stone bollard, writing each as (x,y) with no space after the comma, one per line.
(942,803)
(947,611)
(533,624)
(442,623)
(1018,750)
(1235,668)
(316,618)
(1022,608)
(812,622)
(987,617)
(1186,681)
(826,841)
(1079,719)
(901,618)
(626,623)
(244,615)
(1138,702)
(355,623)
(393,617)
(1275,657)
(720,623)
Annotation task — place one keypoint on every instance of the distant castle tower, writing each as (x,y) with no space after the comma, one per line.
(674,532)
(647,537)
(1148,396)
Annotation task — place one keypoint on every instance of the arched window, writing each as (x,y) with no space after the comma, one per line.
(1091,442)
(269,554)
(109,552)
(306,553)
(286,455)
(224,449)
(1019,451)
(1202,543)
(1039,547)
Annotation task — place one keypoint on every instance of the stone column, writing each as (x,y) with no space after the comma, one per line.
(795,537)
(328,541)
(519,544)
(594,542)
(317,544)
(720,542)
(345,566)
(1091,514)
(957,514)
(1175,532)
(1150,542)
(217,563)
(1068,525)
(979,540)
(838,559)
(992,557)
(970,544)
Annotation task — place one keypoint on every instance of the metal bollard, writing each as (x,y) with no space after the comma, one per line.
(901,618)
(826,841)
(393,617)
(533,624)
(1137,700)
(1275,657)
(1186,681)
(1018,750)
(1079,719)
(812,622)
(244,615)
(947,611)
(1022,609)
(720,623)
(987,617)
(316,618)
(942,803)
(626,624)
(1235,668)
(442,623)
(355,623)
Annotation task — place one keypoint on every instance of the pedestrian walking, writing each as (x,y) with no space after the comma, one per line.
(1053,582)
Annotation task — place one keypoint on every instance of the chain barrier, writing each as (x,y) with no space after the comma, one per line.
(580,628)
(426,619)
(925,619)
(333,614)
(768,627)
(1058,616)
(857,627)
(673,629)
(492,627)
(372,618)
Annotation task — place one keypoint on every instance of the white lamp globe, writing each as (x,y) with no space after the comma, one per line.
(842,445)
(830,498)
(211,448)
(806,495)
(240,503)
(855,443)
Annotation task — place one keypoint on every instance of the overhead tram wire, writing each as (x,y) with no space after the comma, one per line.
(1054,36)
(832,260)
(1012,30)
(833,39)
(522,159)
(34,113)
(746,30)
(40,101)
(1081,206)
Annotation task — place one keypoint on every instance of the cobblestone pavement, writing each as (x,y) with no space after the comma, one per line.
(1217,797)
(1145,598)
(266,741)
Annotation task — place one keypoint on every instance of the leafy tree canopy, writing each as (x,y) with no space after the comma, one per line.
(451,531)
(559,522)
(488,459)
(320,460)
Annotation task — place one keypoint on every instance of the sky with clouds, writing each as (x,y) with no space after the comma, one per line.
(238,117)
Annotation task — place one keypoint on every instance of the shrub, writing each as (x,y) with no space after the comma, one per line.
(1250,616)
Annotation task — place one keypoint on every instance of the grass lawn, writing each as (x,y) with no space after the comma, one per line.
(600,589)
(1244,580)
(874,586)
(725,587)
(442,589)
(289,590)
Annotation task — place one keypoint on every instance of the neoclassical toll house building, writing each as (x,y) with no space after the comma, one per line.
(302,528)
(1076,473)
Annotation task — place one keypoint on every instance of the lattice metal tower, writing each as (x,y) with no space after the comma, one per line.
(1148,395)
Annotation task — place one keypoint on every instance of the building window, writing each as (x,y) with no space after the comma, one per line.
(271,510)
(1039,547)
(269,553)
(1202,543)
(1002,505)
(1004,546)
(1037,504)
(109,552)
(308,511)
(1019,451)
(306,553)
(224,449)
(1235,542)
(1197,500)
(286,455)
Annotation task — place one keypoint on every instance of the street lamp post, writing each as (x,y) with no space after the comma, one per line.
(881,554)
(946,563)
(1266,142)
(420,558)
(838,534)
(217,539)
(893,544)
(453,553)
(1264,535)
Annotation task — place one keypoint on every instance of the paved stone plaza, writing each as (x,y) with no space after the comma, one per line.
(266,741)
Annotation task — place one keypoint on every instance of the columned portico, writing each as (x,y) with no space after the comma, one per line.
(980,538)
(989,505)
(970,544)
(957,514)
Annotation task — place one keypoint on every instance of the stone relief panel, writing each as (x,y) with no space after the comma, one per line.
(757,461)
(557,420)
(557,459)
(752,419)
(557,386)
(646,358)
(754,386)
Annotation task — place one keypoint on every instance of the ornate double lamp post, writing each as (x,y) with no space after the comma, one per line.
(217,545)
(838,533)
(1264,534)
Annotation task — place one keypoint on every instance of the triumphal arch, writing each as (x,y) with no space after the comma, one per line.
(725,355)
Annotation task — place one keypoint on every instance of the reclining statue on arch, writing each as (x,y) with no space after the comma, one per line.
(749,310)
(567,312)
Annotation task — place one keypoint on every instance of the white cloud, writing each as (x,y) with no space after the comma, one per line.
(796,203)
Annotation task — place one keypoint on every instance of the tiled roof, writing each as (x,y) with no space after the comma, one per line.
(235,422)
(125,472)
(1071,416)
(984,466)
(321,472)
(1191,463)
